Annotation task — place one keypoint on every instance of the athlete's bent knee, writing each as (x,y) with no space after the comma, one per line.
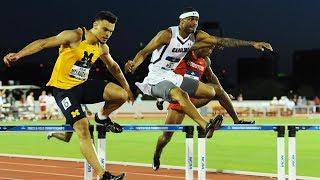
(178,94)
(123,96)
(82,128)
(212,92)
(218,89)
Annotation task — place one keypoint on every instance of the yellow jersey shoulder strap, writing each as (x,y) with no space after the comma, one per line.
(83,34)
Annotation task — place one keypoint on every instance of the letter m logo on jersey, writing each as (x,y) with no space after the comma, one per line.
(75,113)
(87,57)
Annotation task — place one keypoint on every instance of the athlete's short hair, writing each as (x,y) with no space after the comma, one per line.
(106,15)
(188,9)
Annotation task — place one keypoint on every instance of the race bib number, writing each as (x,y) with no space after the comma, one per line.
(171,62)
(192,74)
(80,73)
(66,103)
(170,65)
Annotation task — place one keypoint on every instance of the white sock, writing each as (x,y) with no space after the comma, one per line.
(159,99)
(101,116)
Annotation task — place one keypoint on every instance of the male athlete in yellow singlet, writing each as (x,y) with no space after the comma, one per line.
(79,49)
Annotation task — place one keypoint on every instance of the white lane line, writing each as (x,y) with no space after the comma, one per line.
(36,172)
(10,178)
(41,157)
(127,172)
(30,164)
(156,175)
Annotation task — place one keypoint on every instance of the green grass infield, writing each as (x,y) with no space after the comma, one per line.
(232,150)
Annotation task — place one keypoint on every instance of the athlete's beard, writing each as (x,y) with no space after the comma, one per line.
(191,30)
(98,38)
(195,29)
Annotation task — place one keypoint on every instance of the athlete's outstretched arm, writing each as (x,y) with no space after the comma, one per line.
(205,39)
(64,38)
(115,70)
(163,37)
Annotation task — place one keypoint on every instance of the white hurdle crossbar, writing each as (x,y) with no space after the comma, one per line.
(137,128)
(244,127)
(292,156)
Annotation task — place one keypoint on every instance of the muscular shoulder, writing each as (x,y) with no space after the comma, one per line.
(164,36)
(104,49)
(70,36)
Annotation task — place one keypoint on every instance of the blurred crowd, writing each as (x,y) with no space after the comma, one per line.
(18,106)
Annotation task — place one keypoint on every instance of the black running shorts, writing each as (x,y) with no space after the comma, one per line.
(70,100)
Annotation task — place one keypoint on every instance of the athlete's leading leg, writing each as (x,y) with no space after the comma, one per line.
(218,119)
(170,92)
(81,127)
(114,97)
(186,105)
(204,91)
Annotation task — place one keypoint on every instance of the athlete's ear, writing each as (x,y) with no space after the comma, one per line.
(181,22)
(95,24)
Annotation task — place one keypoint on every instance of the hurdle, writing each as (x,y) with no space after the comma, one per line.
(101,145)
(189,130)
(88,171)
(292,156)
(243,127)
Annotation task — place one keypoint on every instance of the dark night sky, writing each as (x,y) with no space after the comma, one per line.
(287,24)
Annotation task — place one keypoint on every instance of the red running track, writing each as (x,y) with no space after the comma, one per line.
(13,168)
